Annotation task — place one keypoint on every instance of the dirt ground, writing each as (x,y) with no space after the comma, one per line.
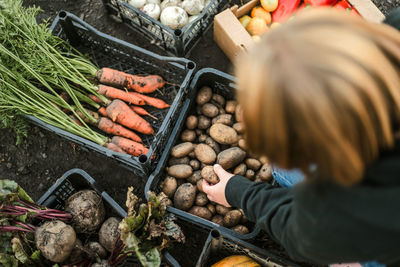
(43,157)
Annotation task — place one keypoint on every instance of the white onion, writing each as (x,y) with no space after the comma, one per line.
(137,3)
(193,7)
(153,10)
(167,3)
(174,17)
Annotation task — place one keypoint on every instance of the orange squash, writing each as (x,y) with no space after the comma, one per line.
(236,261)
(257,26)
(260,12)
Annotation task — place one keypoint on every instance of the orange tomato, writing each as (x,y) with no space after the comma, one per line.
(269,5)
(260,12)
(257,26)
(244,20)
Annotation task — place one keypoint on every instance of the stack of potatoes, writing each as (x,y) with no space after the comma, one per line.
(214,135)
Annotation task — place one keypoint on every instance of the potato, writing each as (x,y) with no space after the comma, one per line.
(226,119)
(265,173)
(221,111)
(223,134)
(176,161)
(191,122)
(219,99)
(199,185)
(109,232)
(198,110)
(184,196)
(214,145)
(240,169)
(209,110)
(168,202)
(241,229)
(209,175)
(211,208)
(204,122)
(264,160)
(168,186)
(180,171)
(205,154)
(218,219)
(194,177)
(242,144)
(192,155)
(253,164)
(198,132)
(230,106)
(195,164)
(202,212)
(202,138)
(232,218)
(201,199)
(222,210)
(182,150)
(231,157)
(239,113)
(204,95)
(239,127)
(188,136)
(202,165)
(250,174)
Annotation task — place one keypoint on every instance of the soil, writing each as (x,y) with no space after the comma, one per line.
(43,157)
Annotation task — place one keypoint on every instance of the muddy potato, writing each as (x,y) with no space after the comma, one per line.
(195,164)
(175,161)
(232,218)
(205,154)
(219,99)
(241,229)
(194,177)
(188,136)
(199,185)
(240,169)
(184,196)
(202,212)
(211,208)
(230,106)
(242,144)
(238,113)
(204,95)
(222,111)
(202,165)
(209,175)
(182,150)
(222,210)
(198,132)
(204,122)
(226,119)
(109,232)
(231,157)
(218,219)
(202,138)
(250,174)
(214,145)
(223,134)
(169,185)
(180,171)
(253,164)
(201,199)
(264,160)
(265,173)
(191,122)
(239,127)
(192,155)
(209,110)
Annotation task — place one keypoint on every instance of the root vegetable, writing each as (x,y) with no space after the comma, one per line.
(196,176)
(214,145)
(265,173)
(152,10)
(223,134)
(218,219)
(193,7)
(230,106)
(232,218)
(109,233)
(174,17)
(176,161)
(253,164)
(137,3)
(241,229)
(211,208)
(209,175)
(242,144)
(182,149)
(55,240)
(201,199)
(115,93)
(239,127)
(102,263)
(87,210)
(107,126)
(131,147)
(204,122)
(209,110)
(204,95)
(184,196)
(205,154)
(202,138)
(200,185)
(231,157)
(95,250)
(188,136)
(202,212)
(250,174)
(191,122)
(180,171)
(195,164)
(238,113)
(166,3)
(151,101)
(222,210)
(226,119)
(142,111)
(240,169)
(77,252)
(218,99)
(169,186)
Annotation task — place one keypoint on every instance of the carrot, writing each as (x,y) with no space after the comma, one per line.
(146,84)
(107,126)
(64,95)
(119,111)
(151,101)
(76,120)
(129,146)
(102,111)
(142,111)
(115,148)
(115,93)
(96,99)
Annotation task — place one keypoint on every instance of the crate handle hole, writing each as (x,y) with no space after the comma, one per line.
(178,32)
(215,233)
(190,65)
(142,158)
(62,14)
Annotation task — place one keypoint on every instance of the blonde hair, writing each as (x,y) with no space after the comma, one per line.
(322,89)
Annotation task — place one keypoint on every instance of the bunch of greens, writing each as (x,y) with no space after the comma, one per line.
(147,229)
(35,68)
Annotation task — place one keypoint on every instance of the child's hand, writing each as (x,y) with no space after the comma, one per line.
(216,192)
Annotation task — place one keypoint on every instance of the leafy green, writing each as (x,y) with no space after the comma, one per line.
(11,190)
(7,260)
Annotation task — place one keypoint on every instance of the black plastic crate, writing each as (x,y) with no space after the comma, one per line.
(106,51)
(75,180)
(177,42)
(224,85)
(220,245)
